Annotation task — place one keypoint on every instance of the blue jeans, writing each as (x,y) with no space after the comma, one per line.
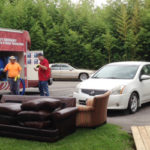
(14,86)
(43,87)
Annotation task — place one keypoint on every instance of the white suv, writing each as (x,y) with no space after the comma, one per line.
(129,83)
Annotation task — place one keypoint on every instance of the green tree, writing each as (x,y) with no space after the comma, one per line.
(122,22)
(109,43)
(131,45)
(82,34)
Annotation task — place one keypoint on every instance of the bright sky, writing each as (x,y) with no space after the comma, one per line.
(97,2)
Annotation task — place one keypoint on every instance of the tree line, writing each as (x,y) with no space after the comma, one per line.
(82,34)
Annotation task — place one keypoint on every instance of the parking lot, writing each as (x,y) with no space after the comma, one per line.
(66,88)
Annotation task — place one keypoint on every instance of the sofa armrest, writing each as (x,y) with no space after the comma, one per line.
(85,108)
(64,113)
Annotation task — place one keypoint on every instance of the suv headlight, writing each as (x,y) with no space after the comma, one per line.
(118,90)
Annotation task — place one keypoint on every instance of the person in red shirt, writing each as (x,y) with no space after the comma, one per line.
(44,75)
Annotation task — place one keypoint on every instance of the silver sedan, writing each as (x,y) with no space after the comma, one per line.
(65,71)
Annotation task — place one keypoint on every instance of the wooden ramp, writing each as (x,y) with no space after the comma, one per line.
(141,135)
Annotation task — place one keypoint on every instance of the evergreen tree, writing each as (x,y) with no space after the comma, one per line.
(82,34)
(109,43)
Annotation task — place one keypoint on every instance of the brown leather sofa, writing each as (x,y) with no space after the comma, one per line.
(37,118)
(94,113)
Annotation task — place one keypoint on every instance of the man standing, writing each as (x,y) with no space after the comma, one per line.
(14,70)
(44,75)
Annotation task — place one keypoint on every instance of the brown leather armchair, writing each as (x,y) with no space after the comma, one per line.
(94,113)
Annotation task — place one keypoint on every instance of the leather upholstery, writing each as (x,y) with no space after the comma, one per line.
(9,108)
(68,102)
(94,113)
(65,120)
(6,119)
(46,135)
(64,113)
(41,104)
(36,124)
(33,115)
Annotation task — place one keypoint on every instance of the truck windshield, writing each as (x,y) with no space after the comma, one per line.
(117,72)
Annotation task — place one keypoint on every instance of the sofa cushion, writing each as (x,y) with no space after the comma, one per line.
(41,104)
(10,109)
(5,119)
(33,115)
(36,124)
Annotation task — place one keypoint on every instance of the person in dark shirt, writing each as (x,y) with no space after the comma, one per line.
(44,75)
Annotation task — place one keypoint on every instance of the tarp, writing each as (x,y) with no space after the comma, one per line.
(14,40)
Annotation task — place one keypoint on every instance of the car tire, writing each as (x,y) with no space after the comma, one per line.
(83,76)
(133,103)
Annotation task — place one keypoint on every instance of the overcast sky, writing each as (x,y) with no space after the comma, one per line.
(97,2)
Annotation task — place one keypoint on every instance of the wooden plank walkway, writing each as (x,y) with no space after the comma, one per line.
(141,135)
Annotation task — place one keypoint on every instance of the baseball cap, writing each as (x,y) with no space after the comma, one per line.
(12,57)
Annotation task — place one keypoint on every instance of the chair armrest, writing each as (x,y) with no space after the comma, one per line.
(85,108)
(64,113)
(90,102)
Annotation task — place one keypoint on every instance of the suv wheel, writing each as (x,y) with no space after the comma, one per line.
(133,103)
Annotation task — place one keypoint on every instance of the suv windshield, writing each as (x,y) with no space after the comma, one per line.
(117,72)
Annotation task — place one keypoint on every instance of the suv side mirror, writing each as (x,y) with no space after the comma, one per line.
(144,77)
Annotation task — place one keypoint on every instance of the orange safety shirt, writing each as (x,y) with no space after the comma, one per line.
(13,69)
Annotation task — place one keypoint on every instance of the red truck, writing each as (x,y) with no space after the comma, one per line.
(18,43)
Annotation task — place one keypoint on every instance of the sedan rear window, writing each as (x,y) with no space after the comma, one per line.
(55,67)
(117,72)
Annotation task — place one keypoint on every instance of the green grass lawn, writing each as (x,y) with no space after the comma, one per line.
(106,137)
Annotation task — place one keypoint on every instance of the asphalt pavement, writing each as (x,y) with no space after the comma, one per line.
(66,88)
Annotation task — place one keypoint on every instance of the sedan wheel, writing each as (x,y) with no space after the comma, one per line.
(133,103)
(83,76)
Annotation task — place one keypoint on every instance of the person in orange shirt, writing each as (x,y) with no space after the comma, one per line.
(13,69)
